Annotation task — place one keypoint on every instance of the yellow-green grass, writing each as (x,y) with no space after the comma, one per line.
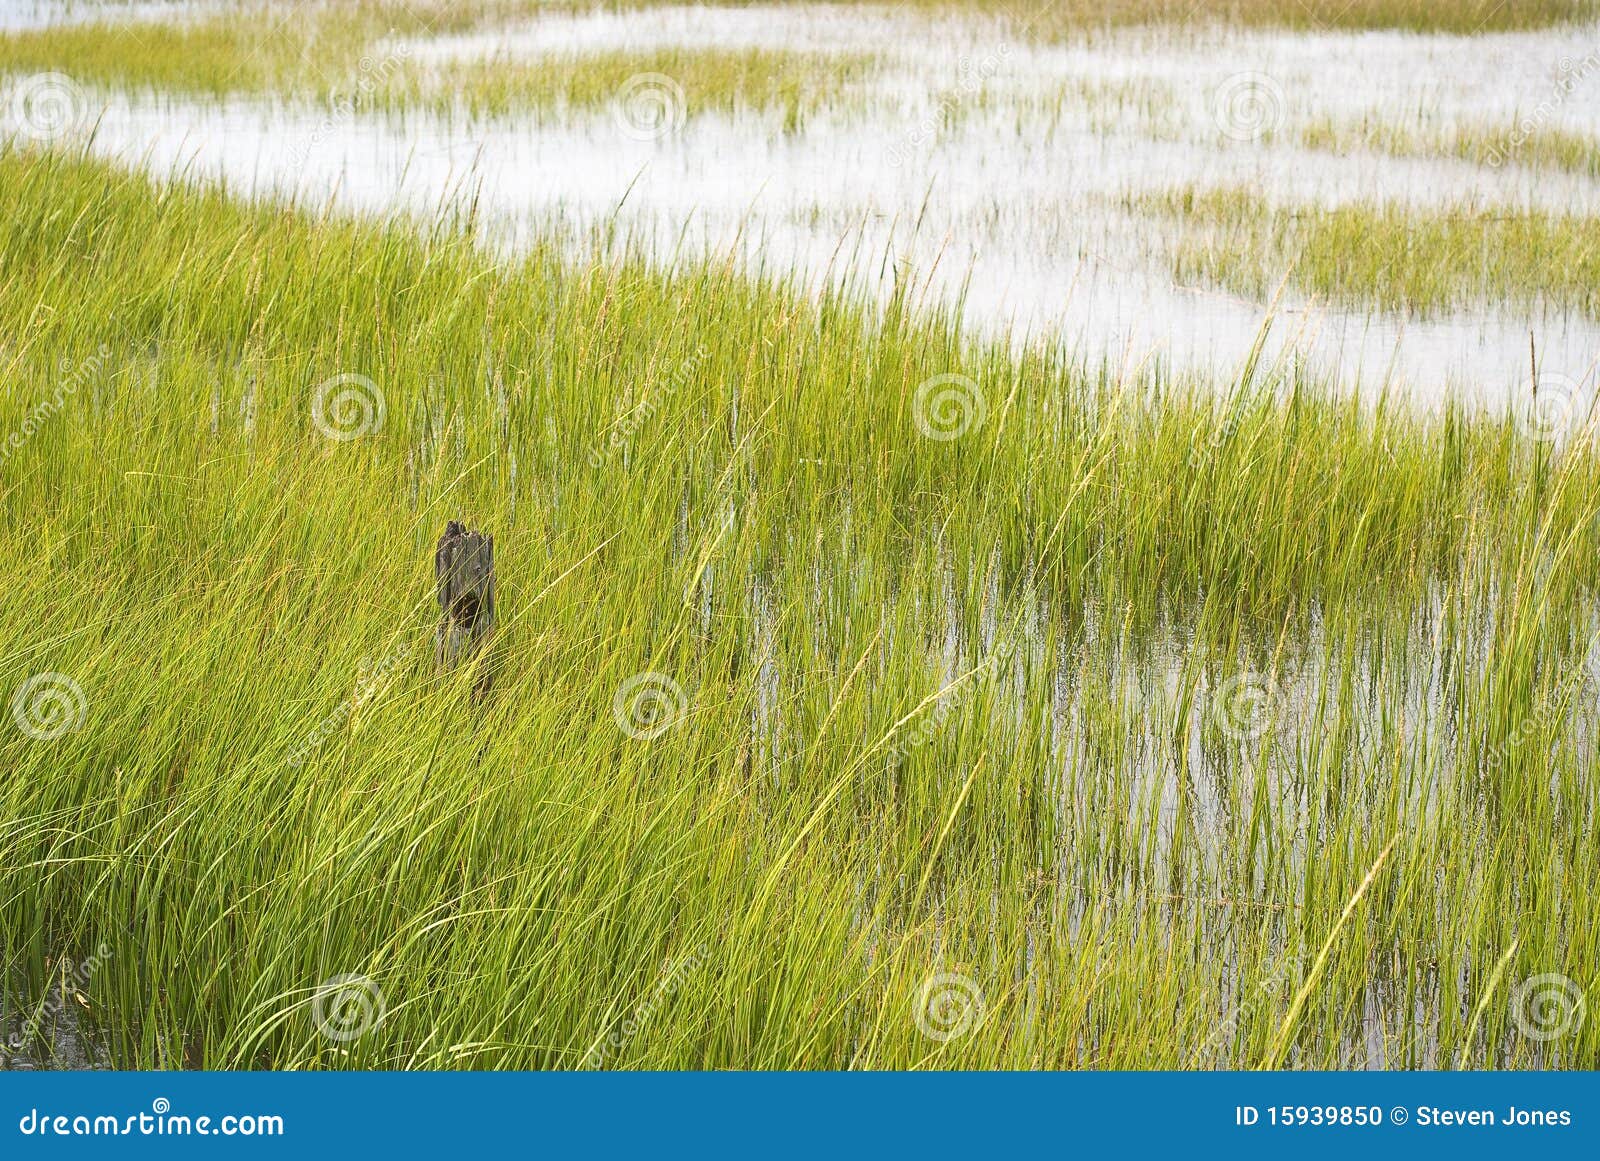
(727,484)
(253,50)
(1390,256)
(1534,147)
(257,48)
(667,84)
(348,55)
(249,47)
(1046,19)
(347,52)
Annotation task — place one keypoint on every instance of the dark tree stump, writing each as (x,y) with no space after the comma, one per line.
(464,566)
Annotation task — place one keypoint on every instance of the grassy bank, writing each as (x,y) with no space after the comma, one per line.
(347,58)
(1144,724)
(333,51)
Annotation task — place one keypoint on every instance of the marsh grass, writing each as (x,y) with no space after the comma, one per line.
(949,706)
(1553,149)
(1050,19)
(1390,256)
(254,48)
(248,47)
(724,80)
(356,56)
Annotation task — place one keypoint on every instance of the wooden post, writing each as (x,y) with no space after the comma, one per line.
(464,566)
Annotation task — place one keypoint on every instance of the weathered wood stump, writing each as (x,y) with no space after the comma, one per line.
(464,566)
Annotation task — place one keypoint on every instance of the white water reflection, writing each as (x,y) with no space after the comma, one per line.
(25,14)
(981,169)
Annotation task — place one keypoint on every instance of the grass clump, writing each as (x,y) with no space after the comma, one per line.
(1535,148)
(254,50)
(936,707)
(250,48)
(682,81)
(1389,256)
(359,56)
(1060,18)
(1054,19)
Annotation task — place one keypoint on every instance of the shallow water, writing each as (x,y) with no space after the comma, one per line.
(57,1041)
(16,15)
(982,170)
